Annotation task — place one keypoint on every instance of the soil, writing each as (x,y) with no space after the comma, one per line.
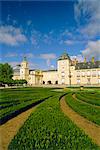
(10,128)
(91,129)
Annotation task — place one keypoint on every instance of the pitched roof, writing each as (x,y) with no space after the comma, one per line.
(49,70)
(87,65)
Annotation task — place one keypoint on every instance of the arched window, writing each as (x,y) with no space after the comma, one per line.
(56,82)
(49,82)
(43,82)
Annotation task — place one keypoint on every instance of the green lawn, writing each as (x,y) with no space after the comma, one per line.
(89,97)
(47,127)
(14,101)
(90,112)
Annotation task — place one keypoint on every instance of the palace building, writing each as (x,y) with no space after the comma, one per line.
(68,73)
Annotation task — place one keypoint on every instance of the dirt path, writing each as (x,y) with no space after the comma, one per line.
(10,128)
(89,128)
(74,96)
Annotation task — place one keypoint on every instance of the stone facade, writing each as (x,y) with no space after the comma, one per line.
(68,73)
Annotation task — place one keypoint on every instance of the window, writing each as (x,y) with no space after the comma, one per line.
(88,81)
(83,74)
(63,74)
(62,68)
(63,81)
(43,82)
(78,81)
(94,73)
(78,74)
(56,82)
(49,82)
(98,81)
(98,73)
(88,73)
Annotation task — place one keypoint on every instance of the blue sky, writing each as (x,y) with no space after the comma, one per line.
(43,30)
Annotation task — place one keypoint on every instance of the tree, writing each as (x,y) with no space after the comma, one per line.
(6,71)
(6,74)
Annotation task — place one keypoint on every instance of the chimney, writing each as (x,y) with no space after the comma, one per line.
(92,60)
(85,60)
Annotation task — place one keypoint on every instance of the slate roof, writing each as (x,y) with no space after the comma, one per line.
(64,56)
(87,65)
(49,70)
(32,70)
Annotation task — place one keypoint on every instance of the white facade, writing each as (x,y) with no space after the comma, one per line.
(85,73)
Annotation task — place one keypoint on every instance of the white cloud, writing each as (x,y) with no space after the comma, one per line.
(52,66)
(8,17)
(35,38)
(29,22)
(47,39)
(68,42)
(78,57)
(33,65)
(92,49)
(92,29)
(11,55)
(87,12)
(48,57)
(30,55)
(66,33)
(14,22)
(14,64)
(12,36)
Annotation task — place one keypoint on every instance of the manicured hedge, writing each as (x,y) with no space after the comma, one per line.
(15,101)
(90,112)
(89,98)
(48,128)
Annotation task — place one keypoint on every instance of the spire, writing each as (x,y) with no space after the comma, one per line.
(24,59)
(64,56)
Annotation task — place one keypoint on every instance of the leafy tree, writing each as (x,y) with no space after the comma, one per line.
(6,71)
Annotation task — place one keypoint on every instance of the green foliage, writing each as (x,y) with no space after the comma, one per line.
(6,71)
(48,128)
(6,74)
(88,111)
(12,100)
(92,98)
(19,82)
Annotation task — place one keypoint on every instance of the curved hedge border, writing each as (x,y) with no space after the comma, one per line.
(88,99)
(48,128)
(87,111)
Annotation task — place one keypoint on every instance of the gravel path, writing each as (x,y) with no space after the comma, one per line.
(91,129)
(10,128)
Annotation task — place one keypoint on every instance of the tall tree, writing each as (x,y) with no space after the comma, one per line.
(6,71)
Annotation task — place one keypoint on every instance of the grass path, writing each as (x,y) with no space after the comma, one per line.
(10,128)
(91,129)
